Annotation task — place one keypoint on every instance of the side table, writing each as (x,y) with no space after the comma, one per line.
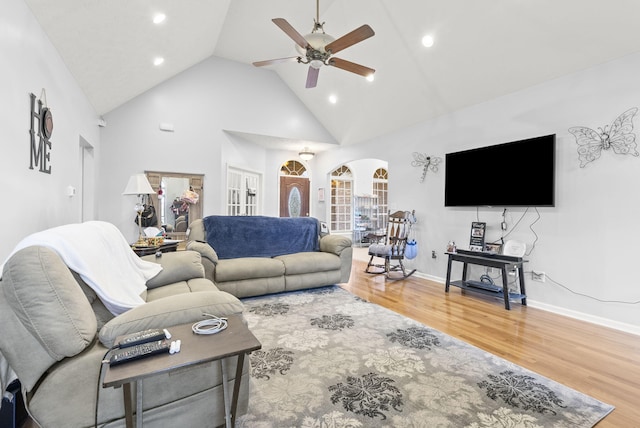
(235,340)
(167,247)
(504,263)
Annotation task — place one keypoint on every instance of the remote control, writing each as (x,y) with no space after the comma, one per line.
(141,337)
(139,351)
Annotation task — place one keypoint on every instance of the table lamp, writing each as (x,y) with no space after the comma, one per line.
(139,185)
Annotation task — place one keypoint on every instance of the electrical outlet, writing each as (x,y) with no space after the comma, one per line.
(433,254)
(538,276)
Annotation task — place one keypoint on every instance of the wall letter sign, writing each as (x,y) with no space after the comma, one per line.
(40,153)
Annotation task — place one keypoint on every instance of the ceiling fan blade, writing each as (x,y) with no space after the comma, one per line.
(351,66)
(273,61)
(356,36)
(291,32)
(312,77)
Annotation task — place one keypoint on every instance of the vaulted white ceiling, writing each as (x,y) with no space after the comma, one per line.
(483,49)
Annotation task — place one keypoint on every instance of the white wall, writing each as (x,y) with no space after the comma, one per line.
(588,242)
(363,170)
(34,200)
(201,103)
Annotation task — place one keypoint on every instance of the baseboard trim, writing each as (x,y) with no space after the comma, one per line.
(604,322)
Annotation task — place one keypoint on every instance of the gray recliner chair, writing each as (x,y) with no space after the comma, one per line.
(56,332)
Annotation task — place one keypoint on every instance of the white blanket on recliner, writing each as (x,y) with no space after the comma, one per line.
(98,252)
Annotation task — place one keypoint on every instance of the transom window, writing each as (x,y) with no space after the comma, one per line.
(293,167)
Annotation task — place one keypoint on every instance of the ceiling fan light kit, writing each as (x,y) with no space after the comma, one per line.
(317,41)
(317,48)
(306,154)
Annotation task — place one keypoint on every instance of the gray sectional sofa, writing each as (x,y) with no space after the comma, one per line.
(56,332)
(56,328)
(255,255)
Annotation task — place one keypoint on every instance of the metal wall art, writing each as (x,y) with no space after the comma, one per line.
(618,136)
(39,134)
(426,162)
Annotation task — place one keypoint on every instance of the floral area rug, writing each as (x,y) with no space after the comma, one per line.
(332,360)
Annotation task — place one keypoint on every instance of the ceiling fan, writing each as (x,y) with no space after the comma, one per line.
(317,48)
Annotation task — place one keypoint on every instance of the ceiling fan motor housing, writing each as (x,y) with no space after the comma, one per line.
(317,41)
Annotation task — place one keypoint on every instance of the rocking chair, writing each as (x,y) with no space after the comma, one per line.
(391,246)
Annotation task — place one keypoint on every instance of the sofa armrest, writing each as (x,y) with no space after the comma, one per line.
(176,266)
(335,244)
(170,311)
(205,250)
(209,257)
(342,247)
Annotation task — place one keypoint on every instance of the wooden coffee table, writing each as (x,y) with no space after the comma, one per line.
(235,340)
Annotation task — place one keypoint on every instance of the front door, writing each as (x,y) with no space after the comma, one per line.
(294,196)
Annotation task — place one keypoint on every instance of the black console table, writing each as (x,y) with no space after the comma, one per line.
(498,261)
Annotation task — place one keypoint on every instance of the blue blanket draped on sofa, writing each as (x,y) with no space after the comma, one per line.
(260,236)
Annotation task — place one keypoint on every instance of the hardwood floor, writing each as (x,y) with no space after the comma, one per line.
(597,361)
(594,360)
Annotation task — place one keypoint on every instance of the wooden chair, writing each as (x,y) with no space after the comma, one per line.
(391,246)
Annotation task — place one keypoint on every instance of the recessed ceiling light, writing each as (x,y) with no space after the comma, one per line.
(371,77)
(333,99)
(158,61)
(159,18)
(427,41)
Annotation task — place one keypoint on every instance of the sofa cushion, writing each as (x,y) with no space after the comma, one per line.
(169,311)
(48,301)
(254,287)
(101,255)
(248,268)
(260,236)
(176,266)
(300,263)
(190,286)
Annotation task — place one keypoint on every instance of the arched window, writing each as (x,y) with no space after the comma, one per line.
(293,168)
(381,190)
(341,199)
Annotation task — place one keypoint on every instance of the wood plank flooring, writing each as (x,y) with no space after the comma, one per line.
(597,361)
(594,360)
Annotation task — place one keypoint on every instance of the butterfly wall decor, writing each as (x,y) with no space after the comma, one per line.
(426,162)
(618,136)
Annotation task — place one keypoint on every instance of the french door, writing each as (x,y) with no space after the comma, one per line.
(243,192)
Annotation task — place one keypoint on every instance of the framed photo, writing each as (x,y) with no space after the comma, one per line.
(476,243)
(494,248)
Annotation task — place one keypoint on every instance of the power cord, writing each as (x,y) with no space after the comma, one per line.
(587,296)
(486,279)
(533,245)
(210,326)
(516,223)
(103,362)
(591,297)
(503,225)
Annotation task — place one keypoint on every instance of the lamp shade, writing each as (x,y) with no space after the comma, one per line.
(138,185)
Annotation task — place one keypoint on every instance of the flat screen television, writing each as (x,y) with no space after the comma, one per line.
(516,174)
